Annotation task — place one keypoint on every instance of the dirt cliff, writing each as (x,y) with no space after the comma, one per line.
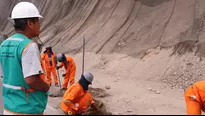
(122,26)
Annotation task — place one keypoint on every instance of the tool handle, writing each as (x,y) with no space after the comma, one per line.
(56,62)
(83,55)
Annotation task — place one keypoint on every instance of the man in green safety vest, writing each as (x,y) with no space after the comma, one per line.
(24,92)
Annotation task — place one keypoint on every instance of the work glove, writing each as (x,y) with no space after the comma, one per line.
(63,75)
(57,67)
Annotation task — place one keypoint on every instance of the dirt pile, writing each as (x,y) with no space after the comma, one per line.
(97,94)
(182,76)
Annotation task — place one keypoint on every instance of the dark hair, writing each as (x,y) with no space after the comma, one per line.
(48,49)
(20,24)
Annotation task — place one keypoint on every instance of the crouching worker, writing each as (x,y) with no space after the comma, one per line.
(195,98)
(77,99)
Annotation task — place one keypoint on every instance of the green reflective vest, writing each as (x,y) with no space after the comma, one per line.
(15,99)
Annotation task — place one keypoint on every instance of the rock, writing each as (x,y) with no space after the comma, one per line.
(100,105)
(126,100)
(150,89)
(107,87)
(101,96)
(119,44)
(158,92)
(189,63)
(116,80)
(129,110)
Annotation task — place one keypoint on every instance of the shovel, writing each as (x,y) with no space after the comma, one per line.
(58,72)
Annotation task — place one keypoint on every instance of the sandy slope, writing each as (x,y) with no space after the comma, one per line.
(120,26)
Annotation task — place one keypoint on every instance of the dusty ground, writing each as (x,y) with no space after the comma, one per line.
(152,85)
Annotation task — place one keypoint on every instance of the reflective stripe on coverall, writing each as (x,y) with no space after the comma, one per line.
(43,68)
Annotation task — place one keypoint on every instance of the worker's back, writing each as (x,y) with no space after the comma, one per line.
(74,94)
(72,62)
(199,89)
(13,79)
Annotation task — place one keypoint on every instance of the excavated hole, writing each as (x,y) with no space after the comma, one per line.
(97,94)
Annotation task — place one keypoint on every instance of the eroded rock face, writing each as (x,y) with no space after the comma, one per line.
(121,26)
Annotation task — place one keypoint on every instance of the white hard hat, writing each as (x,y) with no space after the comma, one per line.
(88,76)
(25,10)
(61,57)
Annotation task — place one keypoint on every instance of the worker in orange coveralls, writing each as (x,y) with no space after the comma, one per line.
(50,65)
(195,98)
(69,64)
(42,63)
(43,68)
(77,99)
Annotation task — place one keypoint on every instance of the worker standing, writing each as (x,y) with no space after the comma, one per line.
(43,68)
(42,63)
(77,99)
(69,64)
(24,92)
(50,65)
(195,98)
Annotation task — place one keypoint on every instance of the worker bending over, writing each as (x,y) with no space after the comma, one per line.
(195,98)
(77,99)
(70,67)
(50,65)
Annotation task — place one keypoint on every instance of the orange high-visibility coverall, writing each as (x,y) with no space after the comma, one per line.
(50,68)
(43,68)
(70,68)
(195,98)
(76,95)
